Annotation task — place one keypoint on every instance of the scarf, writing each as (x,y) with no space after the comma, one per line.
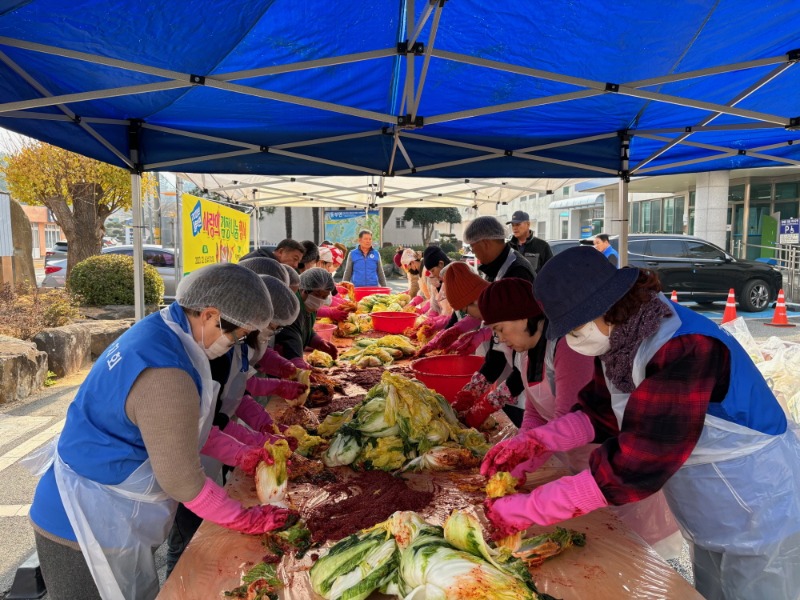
(626,339)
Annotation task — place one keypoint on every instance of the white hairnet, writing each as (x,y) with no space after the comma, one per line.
(292,276)
(238,293)
(316,279)
(261,265)
(285,305)
(484,228)
(408,257)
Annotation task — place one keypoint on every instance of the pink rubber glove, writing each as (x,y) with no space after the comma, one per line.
(252,413)
(213,504)
(476,414)
(317,343)
(233,453)
(342,291)
(417,300)
(272,363)
(334,314)
(440,341)
(258,386)
(300,364)
(573,430)
(553,502)
(468,342)
(425,307)
(244,434)
(471,393)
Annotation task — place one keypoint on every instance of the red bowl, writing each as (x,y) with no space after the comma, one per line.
(325,330)
(392,322)
(363,292)
(446,374)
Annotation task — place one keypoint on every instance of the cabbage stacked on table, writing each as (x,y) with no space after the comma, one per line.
(384,303)
(409,558)
(371,352)
(401,424)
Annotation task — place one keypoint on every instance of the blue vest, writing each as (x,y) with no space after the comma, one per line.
(99,442)
(365,268)
(611,252)
(749,401)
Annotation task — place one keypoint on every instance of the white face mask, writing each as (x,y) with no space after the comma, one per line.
(328,301)
(220,346)
(589,340)
(313,304)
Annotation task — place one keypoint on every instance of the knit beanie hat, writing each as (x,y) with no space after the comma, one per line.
(509,299)
(432,256)
(462,285)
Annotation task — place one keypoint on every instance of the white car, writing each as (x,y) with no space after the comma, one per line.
(163,259)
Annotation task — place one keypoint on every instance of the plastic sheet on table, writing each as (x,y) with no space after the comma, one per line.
(739,330)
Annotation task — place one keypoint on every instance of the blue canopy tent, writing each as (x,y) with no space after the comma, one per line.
(387,88)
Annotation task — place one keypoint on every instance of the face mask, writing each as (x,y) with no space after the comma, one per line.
(414,271)
(220,346)
(589,340)
(313,303)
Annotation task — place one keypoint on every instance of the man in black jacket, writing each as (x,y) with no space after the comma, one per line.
(487,237)
(535,250)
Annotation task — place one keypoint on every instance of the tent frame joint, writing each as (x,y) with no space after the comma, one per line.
(794,124)
(508,152)
(417,48)
(793,56)
(412,123)
(197,79)
(264,149)
(612,87)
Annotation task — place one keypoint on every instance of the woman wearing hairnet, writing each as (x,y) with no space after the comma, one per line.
(676,404)
(129,450)
(316,287)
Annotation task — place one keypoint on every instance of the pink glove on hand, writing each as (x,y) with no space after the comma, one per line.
(471,393)
(417,300)
(425,307)
(232,452)
(440,341)
(332,313)
(469,342)
(244,434)
(252,413)
(317,343)
(300,364)
(213,504)
(486,405)
(535,445)
(272,363)
(553,502)
(259,386)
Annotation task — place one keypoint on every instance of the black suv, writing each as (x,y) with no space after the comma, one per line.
(698,270)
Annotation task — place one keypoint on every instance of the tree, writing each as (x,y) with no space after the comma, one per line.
(80,192)
(428,217)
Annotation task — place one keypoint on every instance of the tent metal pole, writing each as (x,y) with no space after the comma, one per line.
(138,253)
(426,61)
(624,178)
(196,159)
(178,231)
(307,64)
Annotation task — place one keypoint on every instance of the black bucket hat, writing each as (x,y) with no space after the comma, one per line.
(577,286)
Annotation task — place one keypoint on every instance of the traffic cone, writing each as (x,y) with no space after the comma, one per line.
(674,296)
(779,319)
(730,308)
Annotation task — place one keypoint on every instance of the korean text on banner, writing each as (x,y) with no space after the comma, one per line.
(212,233)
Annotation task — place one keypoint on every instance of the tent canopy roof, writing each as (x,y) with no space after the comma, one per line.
(458,89)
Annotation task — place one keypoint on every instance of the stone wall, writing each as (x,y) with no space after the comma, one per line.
(23,369)
(73,347)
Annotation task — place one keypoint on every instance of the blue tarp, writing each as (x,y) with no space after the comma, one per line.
(481,54)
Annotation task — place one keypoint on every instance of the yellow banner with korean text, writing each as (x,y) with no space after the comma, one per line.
(212,233)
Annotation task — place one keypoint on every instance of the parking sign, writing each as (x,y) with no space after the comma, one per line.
(789,231)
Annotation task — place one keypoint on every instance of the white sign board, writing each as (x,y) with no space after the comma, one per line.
(789,232)
(6,242)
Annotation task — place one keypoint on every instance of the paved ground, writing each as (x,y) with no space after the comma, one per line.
(27,425)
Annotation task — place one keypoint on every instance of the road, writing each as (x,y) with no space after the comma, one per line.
(29,424)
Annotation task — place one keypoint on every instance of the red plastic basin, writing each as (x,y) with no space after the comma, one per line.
(446,374)
(392,322)
(363,292)
(325,330)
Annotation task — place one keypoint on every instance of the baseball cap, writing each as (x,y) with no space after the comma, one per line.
(519,217)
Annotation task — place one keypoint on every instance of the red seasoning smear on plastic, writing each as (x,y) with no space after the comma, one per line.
(361,501)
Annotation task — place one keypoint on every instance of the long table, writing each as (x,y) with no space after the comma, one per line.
(615,563)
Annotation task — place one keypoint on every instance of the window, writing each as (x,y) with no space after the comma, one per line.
(634,217)
(692,196)
(158,258)
(415,225)
(761,192)
(564,230)
(52,233)
(566,190)
(706,251)
(655,217)
(399,223)
(786,191)
(736,193)
(637,247)
(667,248)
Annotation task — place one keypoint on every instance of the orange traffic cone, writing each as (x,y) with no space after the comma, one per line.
(674,296)
(779,319)
(730,308)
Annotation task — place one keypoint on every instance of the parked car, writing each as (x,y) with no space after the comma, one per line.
(163,259)
(469,258)
(57,252)
(698,270)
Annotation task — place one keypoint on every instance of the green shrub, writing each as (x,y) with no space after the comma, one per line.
(108,279)
(454,255)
